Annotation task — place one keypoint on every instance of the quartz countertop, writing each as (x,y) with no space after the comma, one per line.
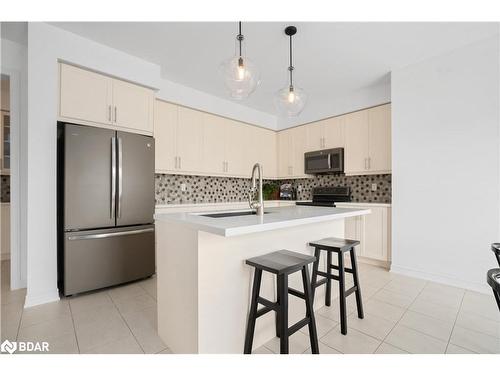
(275,218)
(245,203)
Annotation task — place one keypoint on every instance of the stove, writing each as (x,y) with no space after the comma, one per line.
(327,196)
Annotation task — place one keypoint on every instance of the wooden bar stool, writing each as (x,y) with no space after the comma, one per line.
(495,247)
(493,279)
(282,263)
(339,246)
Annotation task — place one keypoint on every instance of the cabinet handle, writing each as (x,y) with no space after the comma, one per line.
(366,164)
(369,163)
(175,162)
(109,113)
(227,166)
(115,113)
(180,162)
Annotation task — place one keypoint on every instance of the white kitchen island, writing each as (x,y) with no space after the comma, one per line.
(204,285)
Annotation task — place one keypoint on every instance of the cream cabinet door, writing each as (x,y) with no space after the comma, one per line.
(165,125)
(379,130)
(132,106)
(334,132)
(263,150)
(353,230)
(237,148)
(356,142)
(299,146)
(284,154)
(189,140)
(375,234)
(214,136)
(315,136)
(85,95)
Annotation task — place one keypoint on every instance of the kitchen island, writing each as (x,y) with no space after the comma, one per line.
(204,284)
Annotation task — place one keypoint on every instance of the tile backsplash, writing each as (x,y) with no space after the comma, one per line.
(175,189)
(4,188)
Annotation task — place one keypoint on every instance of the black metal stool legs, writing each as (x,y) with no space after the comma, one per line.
(328,294)
(252,317)
(342,294)
(354,266)
(308,296)
(314,279)
(283,313)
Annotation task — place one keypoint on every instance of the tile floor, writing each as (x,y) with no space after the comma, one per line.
(117,320)
(402,315)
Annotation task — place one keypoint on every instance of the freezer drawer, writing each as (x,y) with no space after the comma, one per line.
(100,258)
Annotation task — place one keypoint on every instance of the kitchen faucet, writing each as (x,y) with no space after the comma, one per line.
(258,206)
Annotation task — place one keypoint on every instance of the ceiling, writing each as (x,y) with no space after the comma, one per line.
(332,60)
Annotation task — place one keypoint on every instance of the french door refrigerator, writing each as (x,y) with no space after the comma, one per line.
(105,207)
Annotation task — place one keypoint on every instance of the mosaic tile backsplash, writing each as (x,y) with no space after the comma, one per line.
(5,188)
(175,189)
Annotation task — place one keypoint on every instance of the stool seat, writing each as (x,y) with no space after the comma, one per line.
(334,244)
(495,247)
(493,279)
(281,262)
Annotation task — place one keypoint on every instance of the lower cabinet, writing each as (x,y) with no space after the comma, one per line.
(373,231)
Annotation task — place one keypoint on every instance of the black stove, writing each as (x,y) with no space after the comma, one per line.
(327,196)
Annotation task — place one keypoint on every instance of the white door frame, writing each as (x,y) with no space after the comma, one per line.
(17,276)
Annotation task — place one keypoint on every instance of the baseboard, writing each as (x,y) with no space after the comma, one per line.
(34,300)
(442,279)
(374,262)
(4,256)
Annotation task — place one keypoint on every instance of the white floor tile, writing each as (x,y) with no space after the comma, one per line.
(144,327)
(371,325)
(45,331)
(386,348)
(481,304)
(392,298)
(415,342)
(64,344)
(83,304)
(136,303)
(42,313)
(426,307)
(453,349)
(355,342)
(478,323)
(384,310)
(475,341)
(263,350)
(323,349)
(126,345)
(439,329)
(126,291)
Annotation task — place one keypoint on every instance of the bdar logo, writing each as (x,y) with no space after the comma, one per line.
(8,347)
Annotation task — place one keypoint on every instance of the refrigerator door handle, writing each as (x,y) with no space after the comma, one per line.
(120,177)
(108,235)
(113,177)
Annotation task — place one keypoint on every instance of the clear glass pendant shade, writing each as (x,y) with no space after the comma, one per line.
(290,101)
(241,76)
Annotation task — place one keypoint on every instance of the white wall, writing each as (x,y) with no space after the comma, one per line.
(445,165)
(46,45)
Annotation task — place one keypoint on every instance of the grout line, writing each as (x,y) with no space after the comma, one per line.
(126,323)
(19,324)
(74,328)
(455,321)
(395,325)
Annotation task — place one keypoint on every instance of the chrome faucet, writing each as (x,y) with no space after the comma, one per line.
(258,206)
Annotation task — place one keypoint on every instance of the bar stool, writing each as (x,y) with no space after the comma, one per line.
(495,247)
(282,263)
(493,278)
(339,246)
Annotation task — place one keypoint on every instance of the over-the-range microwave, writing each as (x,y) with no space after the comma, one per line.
(324,161)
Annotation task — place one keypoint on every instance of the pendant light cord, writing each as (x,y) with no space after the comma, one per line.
(290,68)
(239,36)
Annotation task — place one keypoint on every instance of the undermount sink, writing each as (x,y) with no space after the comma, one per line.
(230,214)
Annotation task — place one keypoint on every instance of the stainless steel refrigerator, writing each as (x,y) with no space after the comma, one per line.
(105,207)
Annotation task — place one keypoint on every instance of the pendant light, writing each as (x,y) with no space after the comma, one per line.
(241,76)
(290,100)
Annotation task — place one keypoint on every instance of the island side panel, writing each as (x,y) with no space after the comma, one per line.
(177,273)
(225,281)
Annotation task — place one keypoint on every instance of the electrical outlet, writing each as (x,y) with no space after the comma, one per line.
(374,187)
(183,187)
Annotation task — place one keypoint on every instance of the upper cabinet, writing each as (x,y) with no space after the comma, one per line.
(368,141)
(324,134)
(95,98)
(195,142)
(292,144)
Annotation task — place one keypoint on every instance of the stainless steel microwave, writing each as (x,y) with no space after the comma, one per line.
(324,161)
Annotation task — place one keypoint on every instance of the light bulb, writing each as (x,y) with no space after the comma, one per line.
(291,96)
(241,70)
(290,100)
